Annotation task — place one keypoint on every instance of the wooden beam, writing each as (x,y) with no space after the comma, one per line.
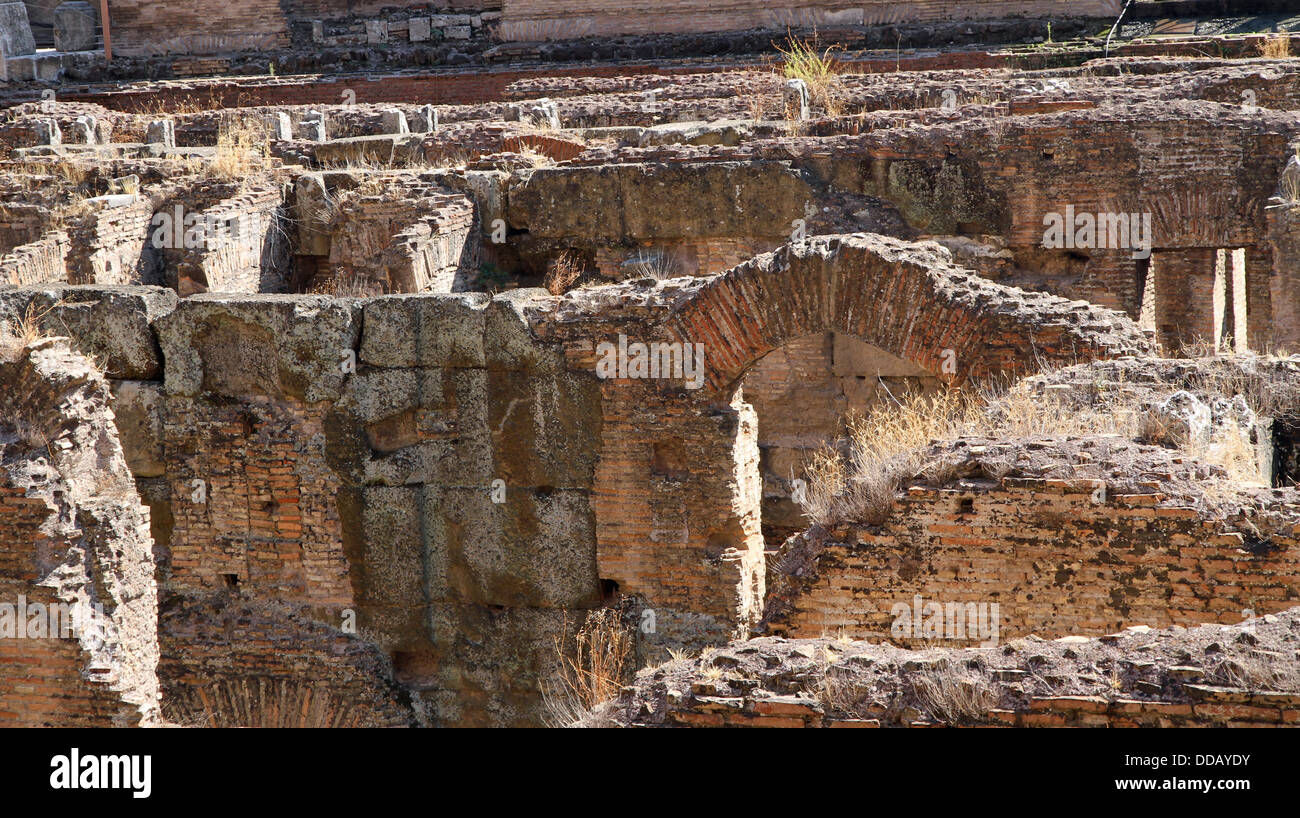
(108,37)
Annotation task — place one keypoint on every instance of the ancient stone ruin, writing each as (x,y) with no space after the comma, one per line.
(845,364)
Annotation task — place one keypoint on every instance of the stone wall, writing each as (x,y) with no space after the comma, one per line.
(143,28)
(571,19)
(1208,676)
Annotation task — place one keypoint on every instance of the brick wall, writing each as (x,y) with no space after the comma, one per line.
(42,260)
(142,27)
(1055,560)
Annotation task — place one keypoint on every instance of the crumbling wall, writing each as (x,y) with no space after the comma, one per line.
(40,261)
(1208,676)
(678,491)
(74,538)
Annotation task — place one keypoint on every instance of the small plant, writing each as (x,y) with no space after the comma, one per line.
(564,272)
(660,264)
(16,336)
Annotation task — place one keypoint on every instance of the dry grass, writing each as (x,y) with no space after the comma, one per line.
(564,272)
(240,151)
(660,264)
(818,68)
(887,448)
(954,695)
(1256,673)
(17,336)
(594,672)
(1276,47)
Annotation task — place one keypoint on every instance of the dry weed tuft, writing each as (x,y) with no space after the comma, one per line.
(594,672)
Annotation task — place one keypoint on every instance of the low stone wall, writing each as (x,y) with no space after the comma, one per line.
(1210,676)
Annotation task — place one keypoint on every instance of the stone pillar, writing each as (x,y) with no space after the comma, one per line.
(48,133)
(797,99)
(84,130)
(312,126)
(543,113)
(426,120)
(161,132)
(279,125)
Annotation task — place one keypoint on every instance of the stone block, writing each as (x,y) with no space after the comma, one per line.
(536,549)
(376,32)
(110,324)
(311,126)
(279,126)
(161,132)
(393,121)
(48,66)
(260,345)
(47,132)
(661,202)
(426,119)
(420,30)
(138,407)
(85,131)
(74,27)
(311,212)
(19,69)
(443,330)
(16,38)
(508,342)
(534,443)
(541,113)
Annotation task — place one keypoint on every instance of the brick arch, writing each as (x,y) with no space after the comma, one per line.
(902,297)
(676,489)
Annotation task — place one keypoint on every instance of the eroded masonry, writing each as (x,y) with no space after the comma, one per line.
(364,399)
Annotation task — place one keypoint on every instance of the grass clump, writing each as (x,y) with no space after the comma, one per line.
(819,70)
